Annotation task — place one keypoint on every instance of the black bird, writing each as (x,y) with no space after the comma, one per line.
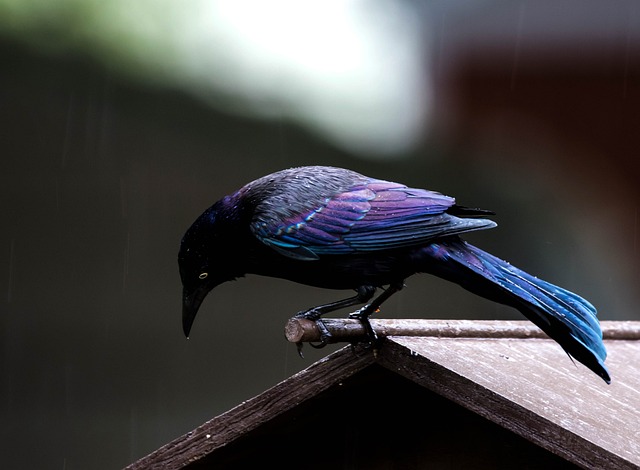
(337,229)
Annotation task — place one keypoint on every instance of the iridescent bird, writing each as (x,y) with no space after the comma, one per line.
(337,229)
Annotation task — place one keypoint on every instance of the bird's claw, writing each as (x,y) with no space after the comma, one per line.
(357,315)
(325,338)
(311,314)
(363,315)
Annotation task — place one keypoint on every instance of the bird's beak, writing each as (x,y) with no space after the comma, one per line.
(191,301)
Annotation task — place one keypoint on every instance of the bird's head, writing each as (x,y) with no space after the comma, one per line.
(202,262)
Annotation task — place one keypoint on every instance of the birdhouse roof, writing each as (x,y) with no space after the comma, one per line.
(505,372)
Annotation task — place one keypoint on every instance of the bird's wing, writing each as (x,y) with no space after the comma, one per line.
(371,216)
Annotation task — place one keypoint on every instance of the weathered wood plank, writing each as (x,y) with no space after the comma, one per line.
(529,387)
(252,413)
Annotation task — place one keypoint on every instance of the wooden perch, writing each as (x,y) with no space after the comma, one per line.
(299,330)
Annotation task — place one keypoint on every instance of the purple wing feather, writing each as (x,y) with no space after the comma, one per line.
(370,216)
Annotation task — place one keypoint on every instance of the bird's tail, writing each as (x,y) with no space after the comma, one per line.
(564,316)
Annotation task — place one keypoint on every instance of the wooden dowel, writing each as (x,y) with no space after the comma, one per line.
(302,330)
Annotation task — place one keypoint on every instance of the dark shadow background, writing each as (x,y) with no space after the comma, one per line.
(101,176)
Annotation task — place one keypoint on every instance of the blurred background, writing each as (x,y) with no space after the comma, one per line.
(121,121)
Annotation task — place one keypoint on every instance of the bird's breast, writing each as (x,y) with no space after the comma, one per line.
(337,271)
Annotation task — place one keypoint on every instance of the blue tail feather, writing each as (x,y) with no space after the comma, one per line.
(571,309)
(564,316)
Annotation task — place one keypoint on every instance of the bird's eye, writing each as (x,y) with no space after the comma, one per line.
(203,275)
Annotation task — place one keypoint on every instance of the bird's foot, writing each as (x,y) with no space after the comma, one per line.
(312,314)
(365,312)
(363,315)
(325,336)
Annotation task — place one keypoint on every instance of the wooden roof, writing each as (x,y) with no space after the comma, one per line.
(504,371)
